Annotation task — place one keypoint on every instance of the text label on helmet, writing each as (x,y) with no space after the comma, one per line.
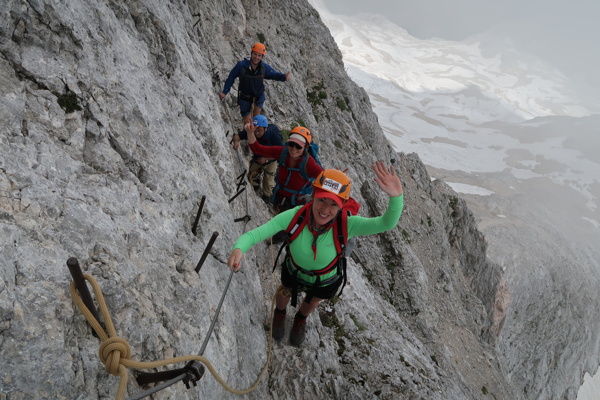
(332,186)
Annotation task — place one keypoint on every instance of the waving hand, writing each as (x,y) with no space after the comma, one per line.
(387,180)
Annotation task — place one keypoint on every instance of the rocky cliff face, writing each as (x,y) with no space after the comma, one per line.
(111,132)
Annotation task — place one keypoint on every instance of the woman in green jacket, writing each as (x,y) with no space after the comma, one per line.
(311,263)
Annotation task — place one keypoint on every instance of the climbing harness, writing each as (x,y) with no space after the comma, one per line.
(340,236)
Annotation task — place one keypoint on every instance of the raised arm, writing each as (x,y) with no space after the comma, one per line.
(387,180)
(389,183)
(250,128)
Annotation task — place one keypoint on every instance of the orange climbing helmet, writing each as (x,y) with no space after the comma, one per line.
(259,48)
(332,184)
(305,136)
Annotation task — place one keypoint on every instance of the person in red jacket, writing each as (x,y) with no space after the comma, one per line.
(295,172)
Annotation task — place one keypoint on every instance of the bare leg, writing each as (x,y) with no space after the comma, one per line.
(256,111)
(283,297)
(307,308)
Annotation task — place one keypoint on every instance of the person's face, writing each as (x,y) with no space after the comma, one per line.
(295,150)
(260,132)
(324,210)
(255,57)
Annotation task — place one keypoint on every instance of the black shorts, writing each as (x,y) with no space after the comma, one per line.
(321,292)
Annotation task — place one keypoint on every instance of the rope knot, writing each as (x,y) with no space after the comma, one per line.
(112,350)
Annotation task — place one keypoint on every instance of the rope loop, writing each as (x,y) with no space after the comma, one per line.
(112,351)
(115,352)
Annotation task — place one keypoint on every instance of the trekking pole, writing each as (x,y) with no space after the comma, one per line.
(198,215)
(205,254)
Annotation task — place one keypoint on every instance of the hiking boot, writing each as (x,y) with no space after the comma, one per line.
(278,330)
(298,333)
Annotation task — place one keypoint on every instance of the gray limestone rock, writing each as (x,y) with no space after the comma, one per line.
(111,131)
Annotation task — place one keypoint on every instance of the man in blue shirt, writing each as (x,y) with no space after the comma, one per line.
(261,165)
(251,87)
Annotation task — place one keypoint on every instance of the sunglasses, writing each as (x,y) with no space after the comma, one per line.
(295,145)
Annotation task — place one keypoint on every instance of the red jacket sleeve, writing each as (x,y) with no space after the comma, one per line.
(266,151)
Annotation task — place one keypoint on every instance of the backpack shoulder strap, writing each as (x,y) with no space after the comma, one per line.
(243,72)
(297,223)
(294,228)
(280,162)
(341,238)
(283,156)
(302,167)
(340,231)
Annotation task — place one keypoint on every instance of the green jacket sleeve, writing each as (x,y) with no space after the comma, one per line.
(357,226)
(279,223)
(361,226)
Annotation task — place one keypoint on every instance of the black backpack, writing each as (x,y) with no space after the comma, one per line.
(245,96)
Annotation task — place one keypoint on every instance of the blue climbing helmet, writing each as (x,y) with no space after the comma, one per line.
(260,120)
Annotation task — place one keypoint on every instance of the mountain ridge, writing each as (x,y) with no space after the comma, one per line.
(526,173)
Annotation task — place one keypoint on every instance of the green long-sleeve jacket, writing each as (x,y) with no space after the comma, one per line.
(301,248)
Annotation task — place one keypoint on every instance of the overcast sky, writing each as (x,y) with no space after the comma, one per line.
(564,32)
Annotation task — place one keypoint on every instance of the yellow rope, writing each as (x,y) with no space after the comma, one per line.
(115,352)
